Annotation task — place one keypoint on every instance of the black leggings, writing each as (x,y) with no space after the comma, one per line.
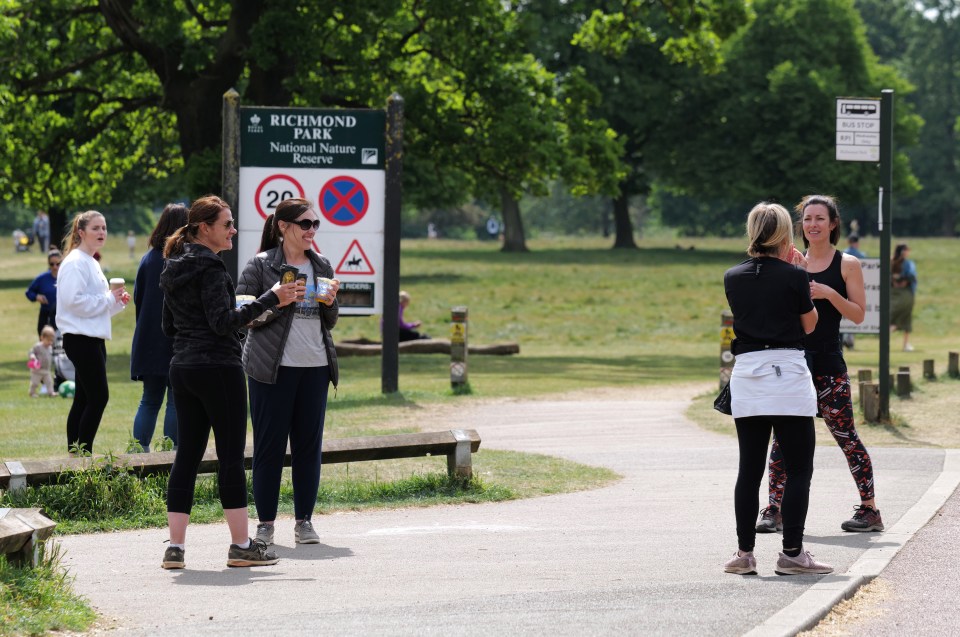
(89,358)
(209,397)
(797,443)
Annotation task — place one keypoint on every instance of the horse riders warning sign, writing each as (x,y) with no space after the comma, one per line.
(355,261)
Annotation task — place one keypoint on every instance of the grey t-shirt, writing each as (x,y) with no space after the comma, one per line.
(304,346)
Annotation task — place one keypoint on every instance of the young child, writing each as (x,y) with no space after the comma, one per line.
(41,363)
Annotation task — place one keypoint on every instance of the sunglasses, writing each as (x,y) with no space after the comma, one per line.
(306,224)
(226,224)
(54,265)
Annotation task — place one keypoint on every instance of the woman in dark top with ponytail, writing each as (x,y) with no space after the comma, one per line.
(291,361)
(836,285)
(201,316)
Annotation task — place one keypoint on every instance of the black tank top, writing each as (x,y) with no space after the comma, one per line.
(826,337)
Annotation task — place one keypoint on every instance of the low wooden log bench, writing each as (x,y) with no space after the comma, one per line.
(457,445)
(22,531)
(363,347)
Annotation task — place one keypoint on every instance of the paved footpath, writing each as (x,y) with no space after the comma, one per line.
(642,556)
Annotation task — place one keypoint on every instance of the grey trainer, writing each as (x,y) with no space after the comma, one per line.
(255,555)
(801,565)
(770,520)
(864,519)
(265,533)
(304,534)
(173,557)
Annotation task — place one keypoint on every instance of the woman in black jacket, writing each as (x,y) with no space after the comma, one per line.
(290,359)
(201,316)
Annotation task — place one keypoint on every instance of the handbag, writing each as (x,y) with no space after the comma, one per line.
(722,401)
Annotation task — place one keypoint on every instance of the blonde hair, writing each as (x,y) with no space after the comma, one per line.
(48,330)
(80,221)
(404,296)
(768,228)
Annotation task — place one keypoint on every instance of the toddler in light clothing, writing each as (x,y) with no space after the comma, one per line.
(41,363)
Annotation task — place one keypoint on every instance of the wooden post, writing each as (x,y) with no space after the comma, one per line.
(953,366)
(390,355)
(928,372)
(870,394)
(458,348)
(230,169)
(864,375)
(726,338)
(903,384)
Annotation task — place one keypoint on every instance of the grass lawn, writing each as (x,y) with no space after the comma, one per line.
(584,315)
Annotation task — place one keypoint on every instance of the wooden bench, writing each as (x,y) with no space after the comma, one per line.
(457,445)
(22,531)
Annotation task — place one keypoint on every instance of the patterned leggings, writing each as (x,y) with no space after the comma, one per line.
(834,403)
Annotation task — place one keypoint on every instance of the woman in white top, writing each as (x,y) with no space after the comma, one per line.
(86,303)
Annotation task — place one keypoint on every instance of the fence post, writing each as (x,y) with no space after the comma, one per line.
(726,338)
(903,383)
(953,366)
(458,347)
(871,401)
(928,371)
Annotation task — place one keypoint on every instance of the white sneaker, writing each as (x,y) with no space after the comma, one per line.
(801,565)
(908,348)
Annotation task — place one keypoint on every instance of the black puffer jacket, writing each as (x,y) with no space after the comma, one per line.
(199,309)
(263,347)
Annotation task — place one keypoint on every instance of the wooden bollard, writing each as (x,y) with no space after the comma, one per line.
(903,384)
(953,366)
(870,394)
(928,371)
(903,368)
(864,375)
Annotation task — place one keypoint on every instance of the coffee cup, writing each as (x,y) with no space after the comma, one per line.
(117,283)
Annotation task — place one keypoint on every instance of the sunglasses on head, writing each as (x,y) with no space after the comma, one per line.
(306,224)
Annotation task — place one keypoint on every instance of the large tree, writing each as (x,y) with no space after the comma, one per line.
(766,126)
(633,51)
(96,90)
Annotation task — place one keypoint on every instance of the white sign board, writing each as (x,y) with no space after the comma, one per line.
(858,129)
(871,320)
(335,159)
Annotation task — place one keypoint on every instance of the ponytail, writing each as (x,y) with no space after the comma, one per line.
(269,238)
(80,221)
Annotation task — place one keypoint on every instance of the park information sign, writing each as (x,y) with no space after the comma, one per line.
(334,158)
(871,284)
(858,129)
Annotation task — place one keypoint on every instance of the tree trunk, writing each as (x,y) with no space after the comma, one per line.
(58,225)
(513,238)
(621,217)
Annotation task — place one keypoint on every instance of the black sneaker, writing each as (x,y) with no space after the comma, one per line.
(254,555)
(864,519)
(770,520)
(173,557)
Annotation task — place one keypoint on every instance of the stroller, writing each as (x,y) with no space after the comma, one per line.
(62,366)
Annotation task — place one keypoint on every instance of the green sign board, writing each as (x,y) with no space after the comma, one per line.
(312,138)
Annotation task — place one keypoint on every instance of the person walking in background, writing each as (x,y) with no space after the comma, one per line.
(131,243)
(903,281)
(836,285)
(201,316)
(43,290)
(151,350)
(290,360)
(40,363)
(853,248)
(770,386)
(85,305)
(41,230)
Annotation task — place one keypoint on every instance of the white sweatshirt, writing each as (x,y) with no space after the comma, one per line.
(84,301)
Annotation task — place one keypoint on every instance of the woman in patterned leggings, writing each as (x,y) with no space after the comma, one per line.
(836,285)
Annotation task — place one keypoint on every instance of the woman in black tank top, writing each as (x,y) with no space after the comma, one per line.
(836,286)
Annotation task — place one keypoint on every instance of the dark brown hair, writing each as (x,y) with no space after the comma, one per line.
(287,210)
(204,210)
(173,217)
(834,212)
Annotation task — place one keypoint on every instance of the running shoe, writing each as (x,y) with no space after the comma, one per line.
(770,520)
(741,564)
(802,564)
(864,519)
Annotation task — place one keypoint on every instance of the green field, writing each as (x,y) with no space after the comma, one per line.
(585,316)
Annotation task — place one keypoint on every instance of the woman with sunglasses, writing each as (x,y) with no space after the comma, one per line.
(290,361)
(43,290)
(200,313)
